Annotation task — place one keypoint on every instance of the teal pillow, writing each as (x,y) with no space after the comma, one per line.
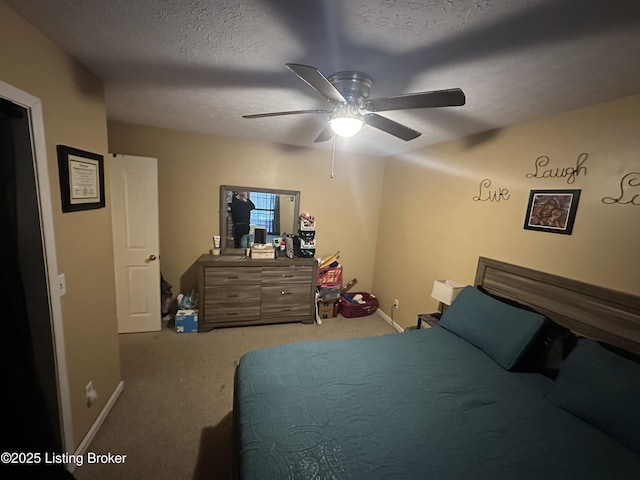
(502,331)
(603,389)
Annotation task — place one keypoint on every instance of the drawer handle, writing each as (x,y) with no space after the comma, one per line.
(232,296)
(232,313)
(234,277)
(287,276)
(282,292)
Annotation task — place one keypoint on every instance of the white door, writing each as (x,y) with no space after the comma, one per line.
(134,213)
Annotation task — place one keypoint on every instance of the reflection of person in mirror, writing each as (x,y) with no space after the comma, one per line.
(241,207)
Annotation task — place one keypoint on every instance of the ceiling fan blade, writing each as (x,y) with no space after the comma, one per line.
(325,134)
(279,114)
(394,128)
(452,97)
(316,80)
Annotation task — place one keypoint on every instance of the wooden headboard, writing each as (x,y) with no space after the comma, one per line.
(588,310)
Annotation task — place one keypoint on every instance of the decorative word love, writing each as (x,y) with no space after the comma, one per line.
(569,172)
(629,191)
(486,195)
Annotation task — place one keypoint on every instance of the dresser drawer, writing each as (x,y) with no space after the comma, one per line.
(231,312)
(239,293)
(285,300)
(231,276)
(272,276)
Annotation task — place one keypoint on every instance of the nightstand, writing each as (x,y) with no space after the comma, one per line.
(430,319)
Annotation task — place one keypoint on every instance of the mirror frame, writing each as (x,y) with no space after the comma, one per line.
(223,211)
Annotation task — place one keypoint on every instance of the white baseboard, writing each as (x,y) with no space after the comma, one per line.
(390,321)
(88,438)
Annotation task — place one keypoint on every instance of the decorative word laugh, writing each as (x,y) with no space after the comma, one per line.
(570,173)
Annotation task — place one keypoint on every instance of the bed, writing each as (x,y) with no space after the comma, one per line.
(484,394)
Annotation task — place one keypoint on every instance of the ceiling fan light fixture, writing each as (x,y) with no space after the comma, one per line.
(346,126)
(346,120)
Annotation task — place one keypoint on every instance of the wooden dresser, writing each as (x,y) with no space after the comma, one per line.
(236,291)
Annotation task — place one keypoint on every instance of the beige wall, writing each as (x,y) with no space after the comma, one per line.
(191,168)
(430,227)
(74,114)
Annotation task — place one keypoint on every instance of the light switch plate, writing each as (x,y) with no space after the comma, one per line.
(62,285)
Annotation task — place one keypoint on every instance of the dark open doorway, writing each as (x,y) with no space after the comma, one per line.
(33,413)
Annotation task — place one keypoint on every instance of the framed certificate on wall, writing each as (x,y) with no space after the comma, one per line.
(81,179)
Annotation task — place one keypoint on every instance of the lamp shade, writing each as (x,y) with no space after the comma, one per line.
(345,126)
(446,291)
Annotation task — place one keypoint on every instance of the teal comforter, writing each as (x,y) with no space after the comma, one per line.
(424,404)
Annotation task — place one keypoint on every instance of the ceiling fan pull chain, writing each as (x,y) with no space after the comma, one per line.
(333,154)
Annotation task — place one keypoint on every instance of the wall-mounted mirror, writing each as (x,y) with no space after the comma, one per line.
(245,209)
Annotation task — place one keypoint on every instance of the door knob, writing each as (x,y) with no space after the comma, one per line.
(151,258)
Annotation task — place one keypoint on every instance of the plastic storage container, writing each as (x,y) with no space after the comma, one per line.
(349,310)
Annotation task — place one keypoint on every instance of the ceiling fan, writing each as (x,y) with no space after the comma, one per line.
(348,92)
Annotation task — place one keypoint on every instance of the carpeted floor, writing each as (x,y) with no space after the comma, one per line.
(173,419)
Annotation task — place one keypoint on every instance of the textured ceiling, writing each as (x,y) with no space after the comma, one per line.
(201,65)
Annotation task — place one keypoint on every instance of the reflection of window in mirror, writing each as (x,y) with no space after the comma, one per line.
(267,211)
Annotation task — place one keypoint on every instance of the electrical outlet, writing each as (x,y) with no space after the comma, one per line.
(396,303)
(91,393)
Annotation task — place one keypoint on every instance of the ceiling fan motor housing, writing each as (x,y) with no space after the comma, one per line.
(355,87)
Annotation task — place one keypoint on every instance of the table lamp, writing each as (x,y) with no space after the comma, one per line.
(445,291)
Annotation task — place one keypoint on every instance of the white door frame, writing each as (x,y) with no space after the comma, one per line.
(43,188)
